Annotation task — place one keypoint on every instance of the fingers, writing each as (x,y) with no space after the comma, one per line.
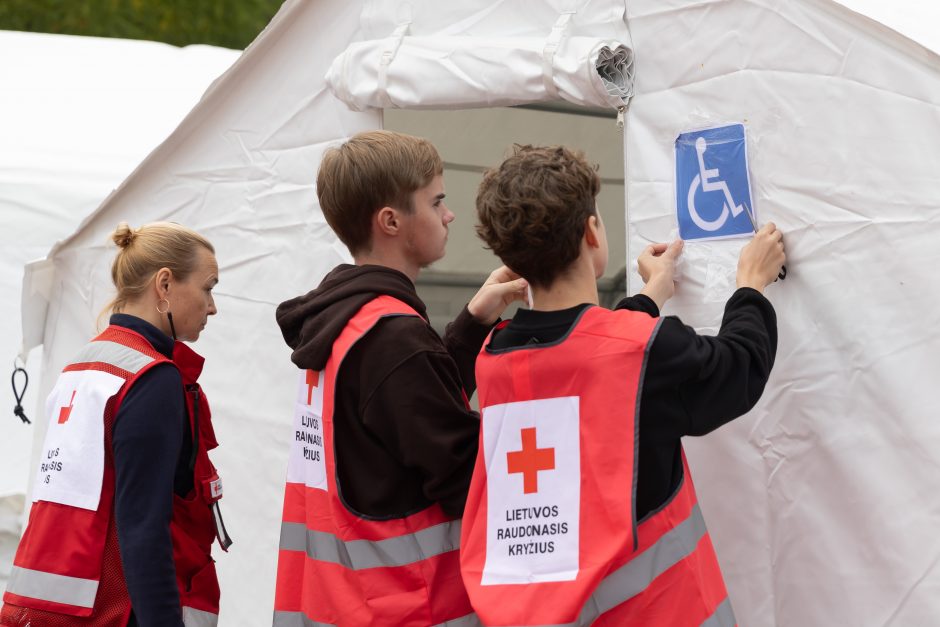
(502,274)
(675,248)
(655,249)
(770,229)
(515,288)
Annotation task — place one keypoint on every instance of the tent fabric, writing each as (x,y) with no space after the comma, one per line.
(486,54)
(443,72)
(820,500)
(77,114)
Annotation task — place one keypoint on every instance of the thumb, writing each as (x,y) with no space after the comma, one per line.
(508,287)
(675,249)
(518,285)
(655,249)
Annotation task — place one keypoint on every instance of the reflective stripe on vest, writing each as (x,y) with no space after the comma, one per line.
(636,575)
(723,616)
(297,619)
(112,353)
(359,554)
(63,589)
(199,618)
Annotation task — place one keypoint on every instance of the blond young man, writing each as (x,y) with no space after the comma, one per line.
(385,441)
(581,508)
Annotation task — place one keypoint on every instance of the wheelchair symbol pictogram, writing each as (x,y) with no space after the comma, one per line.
(709,181)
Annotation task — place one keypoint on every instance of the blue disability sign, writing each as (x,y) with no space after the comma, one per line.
(712,188)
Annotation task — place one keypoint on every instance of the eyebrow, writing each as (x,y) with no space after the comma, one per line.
(440,196)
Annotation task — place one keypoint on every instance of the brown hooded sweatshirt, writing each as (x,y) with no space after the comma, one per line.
(403,436)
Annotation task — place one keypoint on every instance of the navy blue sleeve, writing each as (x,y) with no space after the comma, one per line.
(148,433)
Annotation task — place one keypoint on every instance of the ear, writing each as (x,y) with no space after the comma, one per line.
(591,232)
(162,281)
(387,220)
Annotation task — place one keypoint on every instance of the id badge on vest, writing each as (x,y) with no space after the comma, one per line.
(532,454)
(71,468)
(307,462)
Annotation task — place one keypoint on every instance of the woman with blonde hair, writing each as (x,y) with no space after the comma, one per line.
(125,505)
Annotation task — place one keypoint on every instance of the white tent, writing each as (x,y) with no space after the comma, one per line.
(77,115)
(820,501)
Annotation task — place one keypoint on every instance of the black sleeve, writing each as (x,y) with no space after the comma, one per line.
(432,430)
(713,380)
(148,433)
(463,339)
(639,302)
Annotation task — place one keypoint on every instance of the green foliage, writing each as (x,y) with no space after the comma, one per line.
(226,23)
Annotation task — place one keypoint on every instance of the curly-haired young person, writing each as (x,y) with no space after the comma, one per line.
(581,509)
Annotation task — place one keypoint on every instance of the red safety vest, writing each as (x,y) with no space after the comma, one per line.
(336,567)
(68,563)
(550,534)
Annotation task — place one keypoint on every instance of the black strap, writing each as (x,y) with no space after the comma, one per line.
(220,533)
(18,410)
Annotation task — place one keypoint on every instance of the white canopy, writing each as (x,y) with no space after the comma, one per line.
(819,501)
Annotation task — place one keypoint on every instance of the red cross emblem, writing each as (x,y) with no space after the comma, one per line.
(530,460)
(65,412)
(313,380)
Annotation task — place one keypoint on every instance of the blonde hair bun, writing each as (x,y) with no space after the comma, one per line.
(123,235)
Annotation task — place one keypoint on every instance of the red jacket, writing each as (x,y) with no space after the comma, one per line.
(67,562)
(338,567)
(550,534)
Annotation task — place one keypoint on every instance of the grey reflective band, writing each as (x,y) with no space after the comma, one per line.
(360,554)
(723,616)
(636,575)
(123,357)
(298,619)
(199,618)
(36,584)
(470,620)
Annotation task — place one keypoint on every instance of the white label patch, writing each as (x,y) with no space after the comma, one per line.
(71,468)
(532,451)
(307,463)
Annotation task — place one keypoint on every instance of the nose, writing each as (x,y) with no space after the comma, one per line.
(449,216)
(212,308)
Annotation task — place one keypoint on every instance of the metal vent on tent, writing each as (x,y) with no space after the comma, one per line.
(615,68)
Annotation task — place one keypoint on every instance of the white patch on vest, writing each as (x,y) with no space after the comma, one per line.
(71,468)
(532,452)
(307,463)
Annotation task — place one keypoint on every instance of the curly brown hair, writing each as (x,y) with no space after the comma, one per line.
(533,208)
(371,170)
